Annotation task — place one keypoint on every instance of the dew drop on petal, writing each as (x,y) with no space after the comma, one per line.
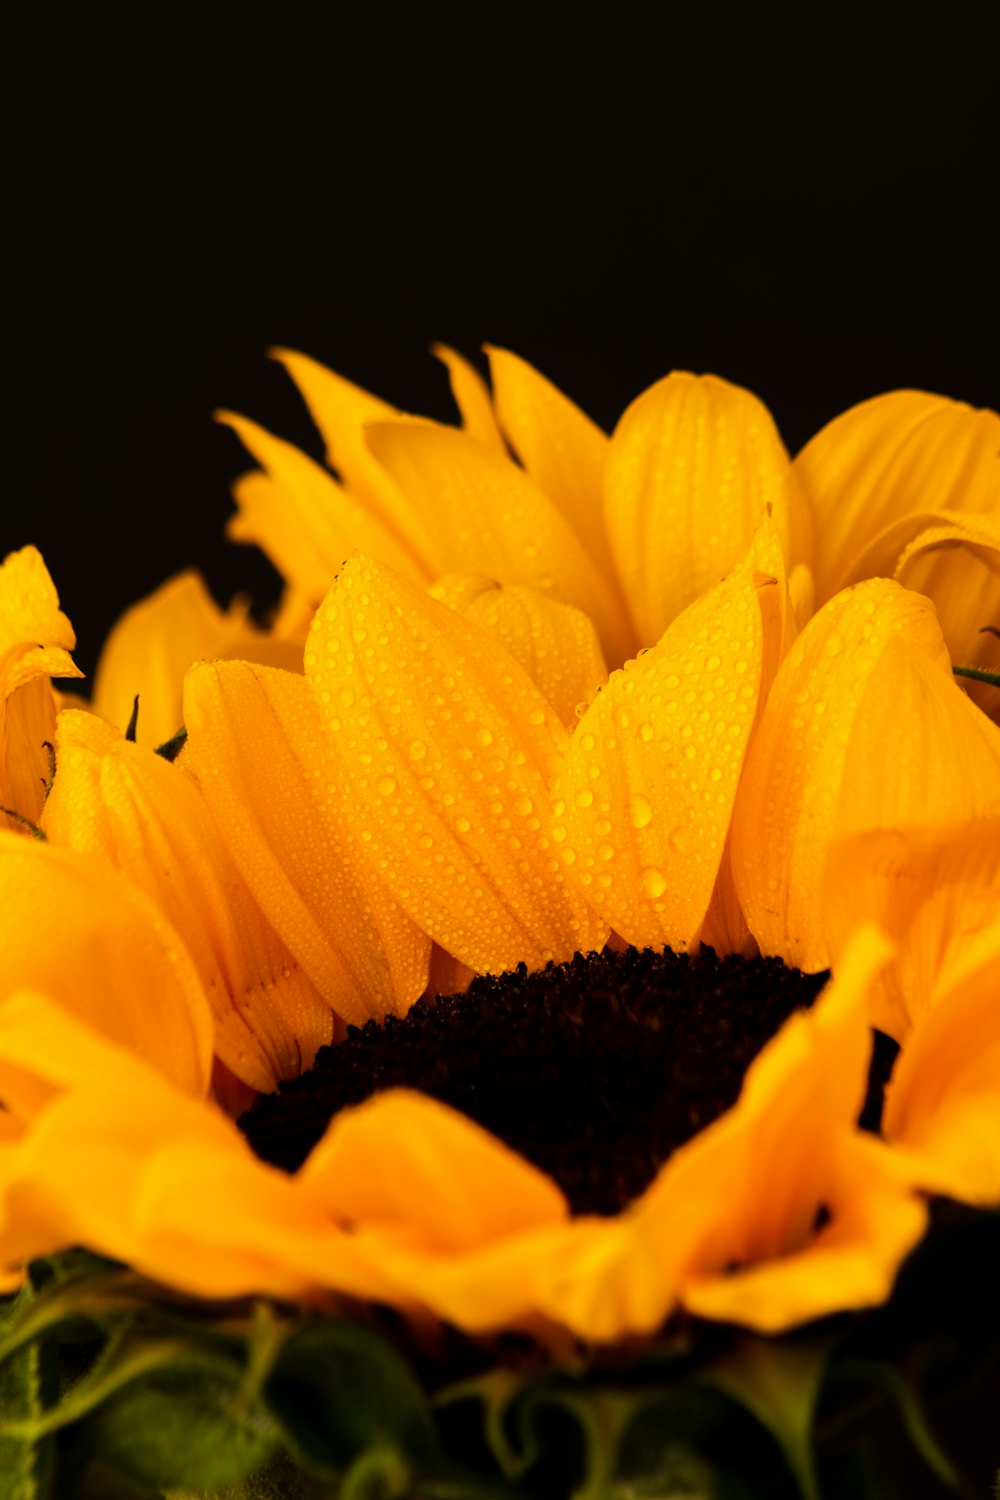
(653,881)
(640,811)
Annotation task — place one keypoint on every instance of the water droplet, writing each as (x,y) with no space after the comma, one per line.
(462,824)
(587,742)
(536,717)
(484,737)
(833,645)
(645,732)
(654,881)
(678,841)
(690,752)
(425,841)
(584,798)
(605,851)
(640,811)
(523,806)
(346,696)
(416,749)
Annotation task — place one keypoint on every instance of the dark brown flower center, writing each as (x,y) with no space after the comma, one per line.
(596,1070)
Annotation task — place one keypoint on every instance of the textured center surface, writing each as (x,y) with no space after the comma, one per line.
(596,1070)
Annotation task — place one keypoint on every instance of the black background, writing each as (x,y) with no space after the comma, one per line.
(807,207)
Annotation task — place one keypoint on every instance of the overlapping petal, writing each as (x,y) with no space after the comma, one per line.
(35,641)
(128,806)
(556,644)
(472,398)
(152,645)
(305,521)
(886,459)
(257,750)
(82,934)
(445,749)
(695,466)
(864,728)
(642,807)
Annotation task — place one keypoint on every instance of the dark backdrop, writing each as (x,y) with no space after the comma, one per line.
(809,212)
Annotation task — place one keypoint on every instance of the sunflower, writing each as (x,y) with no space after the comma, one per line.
(455,988)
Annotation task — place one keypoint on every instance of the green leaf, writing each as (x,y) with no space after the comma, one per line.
(779,1381)
(27,1383)
(891,1381)
(182,1425)
(340,1392)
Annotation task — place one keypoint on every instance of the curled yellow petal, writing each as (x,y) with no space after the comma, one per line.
(781,1211)
(556,644)
(864,728)
(408,1165)
(82,934)
(257,749)
(875,464)
(445,749)
(642,806)
(145,817)
(471,397)
(695,466)
(942,1111)
(489,517)
(35,641)
(303,519)
(932,891)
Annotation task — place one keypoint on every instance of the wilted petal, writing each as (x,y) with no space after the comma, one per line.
(695,466)
(642,807)
(445,749)
(872,466)
(489,517)
(257,749)
(82,934)
(864,728)
(146,818)
(556,644)
(304,520)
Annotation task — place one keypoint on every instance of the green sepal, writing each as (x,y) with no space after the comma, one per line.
(979,673)
(779,1381)
(170,749)
(27,1384)
(888,1380)
(339,1392)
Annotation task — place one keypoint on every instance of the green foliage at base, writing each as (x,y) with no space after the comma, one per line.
(112,1388)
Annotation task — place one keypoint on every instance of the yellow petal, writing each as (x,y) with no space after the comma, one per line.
(931,891)
(152,645)
(471,397)
(445,749)
(695,466)
(556,644)
(410,1165)
(257,749)
(942,1110)
(644,799)
(885,458)
(342,412)
(145,817)
(736,1215)
(305,521)
(35,641)
(864,728)
(562,449)
(489,517)
(124,1165)
(85,936)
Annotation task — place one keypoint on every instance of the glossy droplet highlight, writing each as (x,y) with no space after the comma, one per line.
(640,812)
(654,881)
